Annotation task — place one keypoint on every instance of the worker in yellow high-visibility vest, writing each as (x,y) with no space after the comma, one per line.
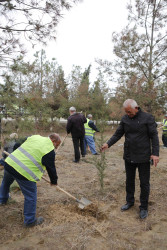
(164,133)
(90,129)
(26,165)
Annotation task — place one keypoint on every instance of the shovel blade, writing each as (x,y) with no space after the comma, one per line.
(83,202)
(80,205)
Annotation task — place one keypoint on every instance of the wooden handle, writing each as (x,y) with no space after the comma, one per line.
(61,143)
(6,153)
(70,195)
(60,189)
(46,179)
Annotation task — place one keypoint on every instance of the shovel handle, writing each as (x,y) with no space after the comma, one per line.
(61,143)
(62,190)
(70,195)
(6,153)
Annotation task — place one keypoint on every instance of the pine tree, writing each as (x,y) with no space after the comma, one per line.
(28,21)
(8,89)
(82,99)
(141,54)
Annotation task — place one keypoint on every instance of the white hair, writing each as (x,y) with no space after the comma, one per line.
(130,102)
(72,109)
(89,116)
(13,136)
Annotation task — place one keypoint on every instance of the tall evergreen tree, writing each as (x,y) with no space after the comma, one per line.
(83,98)
(57,95)
(19,72)
(8,89)
(99,99)
(141,53)
(74,81)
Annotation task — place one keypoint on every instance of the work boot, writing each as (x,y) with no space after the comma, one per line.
(75,161)
(96,154)
(126,206)
(3,203)
(143,213)
(37,222)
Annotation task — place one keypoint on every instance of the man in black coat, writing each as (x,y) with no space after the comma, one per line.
(75,126)
(140,148)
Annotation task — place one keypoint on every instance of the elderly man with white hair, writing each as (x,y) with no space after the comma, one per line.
(75,126)
(140,148)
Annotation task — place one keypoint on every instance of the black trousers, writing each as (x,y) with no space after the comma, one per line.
(78,142)
(164,139)
(144,176)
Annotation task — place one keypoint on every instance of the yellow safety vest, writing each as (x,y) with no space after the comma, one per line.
(164,124)
(27,159)
(88,131)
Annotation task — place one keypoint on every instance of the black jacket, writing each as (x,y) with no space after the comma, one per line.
(93,126)
(75,125)
(141,137)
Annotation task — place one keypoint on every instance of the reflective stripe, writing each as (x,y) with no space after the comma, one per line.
(23,167)
(164,124)
(32,159)
(89,131)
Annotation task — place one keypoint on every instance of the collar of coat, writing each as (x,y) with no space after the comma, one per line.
(136,115)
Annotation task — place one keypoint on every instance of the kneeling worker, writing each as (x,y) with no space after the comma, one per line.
(26,165)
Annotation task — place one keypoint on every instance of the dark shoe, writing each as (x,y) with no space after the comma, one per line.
(76,161)
(83,155)
(37,222)
(96,154)
(126,206)
(3,203)
(143,213)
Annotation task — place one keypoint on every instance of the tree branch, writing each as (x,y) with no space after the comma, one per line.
(18,30)
(146,24)
(160,53)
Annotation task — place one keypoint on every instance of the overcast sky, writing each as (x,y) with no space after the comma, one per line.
(85,33)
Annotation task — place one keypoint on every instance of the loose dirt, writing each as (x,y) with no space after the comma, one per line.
(101,225)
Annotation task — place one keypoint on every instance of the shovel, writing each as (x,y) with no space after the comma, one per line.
(82,203)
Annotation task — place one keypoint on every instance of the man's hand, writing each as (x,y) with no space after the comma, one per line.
(155,159)
(53,184)
(103,147)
